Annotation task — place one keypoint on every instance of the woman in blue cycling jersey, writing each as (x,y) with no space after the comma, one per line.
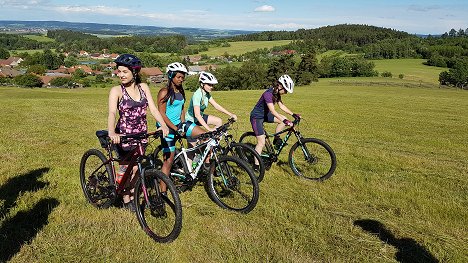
(171,101)
(264,110)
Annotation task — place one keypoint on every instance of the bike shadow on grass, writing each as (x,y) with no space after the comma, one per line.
(27,182)
(284,166)
(408,249)
(23,227)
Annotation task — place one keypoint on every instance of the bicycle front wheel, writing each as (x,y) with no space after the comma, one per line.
(250,156)
(312,159)
(96,179)
(159,214)
(232,185)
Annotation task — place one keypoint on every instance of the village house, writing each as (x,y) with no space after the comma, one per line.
(194,70)
(11,62)
(83,53)
(283,52)
(154,74)
(85,68)
(195,59)
(8,72)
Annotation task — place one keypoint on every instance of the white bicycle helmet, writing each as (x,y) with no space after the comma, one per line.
(287,82)
(176,67)
(207,78)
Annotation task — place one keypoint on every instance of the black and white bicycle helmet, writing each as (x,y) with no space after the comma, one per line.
(287,83)
(207,78)
(176,67)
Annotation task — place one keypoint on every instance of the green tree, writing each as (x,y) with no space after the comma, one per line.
(37,69)
(386,74)
(252,75)
(307,70)
(28,80)
(61,82)
(4,54)
(99,78)
(228,78)
(79,74)
(283,65)
(70,61)
(49,59)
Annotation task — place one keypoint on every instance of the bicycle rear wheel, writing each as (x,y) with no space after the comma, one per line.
(96,179)
(232,185)
(160,216)
(312,159)
(248,154)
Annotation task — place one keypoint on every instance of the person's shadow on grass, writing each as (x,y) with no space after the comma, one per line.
(23,227)
(28,182)
(408,249)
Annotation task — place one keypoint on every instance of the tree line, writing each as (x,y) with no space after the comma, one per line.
(448,50)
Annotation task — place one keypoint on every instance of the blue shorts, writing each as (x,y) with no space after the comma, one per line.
(192,125)
(168,142)
(257,124)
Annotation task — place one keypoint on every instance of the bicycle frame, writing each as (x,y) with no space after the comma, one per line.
(209,145)
(275,152)
(135,157)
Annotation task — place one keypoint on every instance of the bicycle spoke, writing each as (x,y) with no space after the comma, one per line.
(233,185)
(315,161)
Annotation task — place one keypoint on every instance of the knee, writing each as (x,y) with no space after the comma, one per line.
(216,121)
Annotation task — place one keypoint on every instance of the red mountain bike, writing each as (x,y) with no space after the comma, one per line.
(159,213)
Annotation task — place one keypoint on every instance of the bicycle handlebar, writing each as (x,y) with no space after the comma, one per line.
(140,136)
(216,133)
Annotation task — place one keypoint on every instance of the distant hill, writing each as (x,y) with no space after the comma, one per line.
(113,29)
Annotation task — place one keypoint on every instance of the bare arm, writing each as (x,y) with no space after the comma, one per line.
(271,107)
(154,111)
(221,109)
(162,108)
(114,96)
(284,108)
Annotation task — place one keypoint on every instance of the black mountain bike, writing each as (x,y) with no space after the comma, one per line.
(159,214)
(244,152)
(310,158)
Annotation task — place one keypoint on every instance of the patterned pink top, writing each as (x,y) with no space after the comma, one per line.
(132,116)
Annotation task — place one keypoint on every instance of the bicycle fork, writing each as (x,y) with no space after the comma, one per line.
(304,149)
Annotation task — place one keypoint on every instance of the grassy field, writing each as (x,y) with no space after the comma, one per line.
(399,192)
(241,47)
(41,38)
(412,69)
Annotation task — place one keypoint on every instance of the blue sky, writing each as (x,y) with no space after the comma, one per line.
(422,17)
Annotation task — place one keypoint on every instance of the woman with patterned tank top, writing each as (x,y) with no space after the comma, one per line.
(131,99)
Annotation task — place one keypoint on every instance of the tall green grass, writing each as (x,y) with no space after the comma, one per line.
(40,38)
(399,191)
(412,69)
(241,47)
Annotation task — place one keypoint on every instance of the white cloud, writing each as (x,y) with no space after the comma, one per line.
(265,8)
(24,4)
(105,10)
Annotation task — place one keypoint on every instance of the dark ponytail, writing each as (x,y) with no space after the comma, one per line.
(276,94)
